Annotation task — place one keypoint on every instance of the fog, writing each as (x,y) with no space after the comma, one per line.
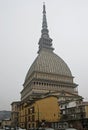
(20,30)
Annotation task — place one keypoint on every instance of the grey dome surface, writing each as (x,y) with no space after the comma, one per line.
(48,62)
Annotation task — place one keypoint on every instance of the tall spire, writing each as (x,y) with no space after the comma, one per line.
(45,41)
(44,23)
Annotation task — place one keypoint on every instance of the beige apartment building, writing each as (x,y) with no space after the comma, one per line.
(15,108)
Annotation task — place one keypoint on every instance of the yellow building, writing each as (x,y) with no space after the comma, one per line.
(35,113)
(23,113)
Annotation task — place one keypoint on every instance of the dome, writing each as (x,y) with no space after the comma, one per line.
(48,62)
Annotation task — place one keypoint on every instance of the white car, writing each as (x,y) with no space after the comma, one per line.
(21,129)
(70,129)
(48,128)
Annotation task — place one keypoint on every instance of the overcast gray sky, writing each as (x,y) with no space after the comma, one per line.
(20,30)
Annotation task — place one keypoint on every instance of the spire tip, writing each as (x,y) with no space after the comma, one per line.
(43,3)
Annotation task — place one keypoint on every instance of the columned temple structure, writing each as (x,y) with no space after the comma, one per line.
(48,73)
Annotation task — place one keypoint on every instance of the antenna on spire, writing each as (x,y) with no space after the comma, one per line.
(43,3)
(44,7)
(44,23)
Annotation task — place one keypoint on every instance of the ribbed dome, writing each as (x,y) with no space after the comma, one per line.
(48,62)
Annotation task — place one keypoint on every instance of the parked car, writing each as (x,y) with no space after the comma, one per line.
(41,128)
(7,128)
(21,129)
(49,129)
(46,128)
(66,129)
(70,129)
